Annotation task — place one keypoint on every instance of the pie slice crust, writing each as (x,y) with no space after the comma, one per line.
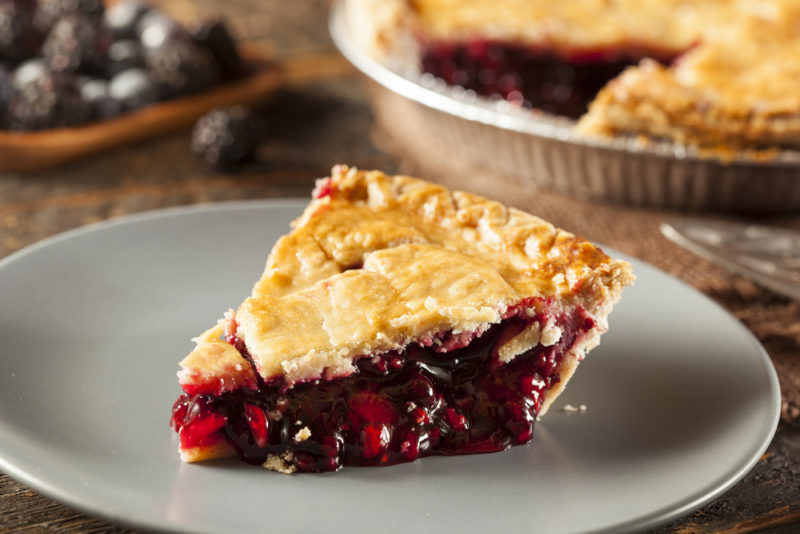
(716,95)
(716,75)
(396,320)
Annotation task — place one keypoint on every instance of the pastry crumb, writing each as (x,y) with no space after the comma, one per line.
(302,434)
(279,464)
(572,409)
(550,335)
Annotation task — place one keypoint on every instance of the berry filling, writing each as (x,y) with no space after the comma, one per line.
(445,396)
(532,77)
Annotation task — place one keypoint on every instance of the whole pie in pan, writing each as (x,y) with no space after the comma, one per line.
(396,320)
(710,73)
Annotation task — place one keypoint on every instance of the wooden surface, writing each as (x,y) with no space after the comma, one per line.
(322,116)
(28,152)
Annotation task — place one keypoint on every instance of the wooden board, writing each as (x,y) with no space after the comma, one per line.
(26,152)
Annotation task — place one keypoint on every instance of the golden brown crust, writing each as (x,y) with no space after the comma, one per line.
(737,89)
(658,26)
(733,87)
(215,364)
(376,262)
(202,453)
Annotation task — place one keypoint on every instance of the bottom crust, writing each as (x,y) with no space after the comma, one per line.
(221,449)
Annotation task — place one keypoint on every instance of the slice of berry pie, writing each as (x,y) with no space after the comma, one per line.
(707,73)
(736,89)
(396,320)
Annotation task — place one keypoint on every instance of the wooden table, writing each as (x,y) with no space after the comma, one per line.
(321,116)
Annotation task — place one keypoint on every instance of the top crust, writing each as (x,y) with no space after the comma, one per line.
(717,93)
(376,262)
(732,86)
(660,27)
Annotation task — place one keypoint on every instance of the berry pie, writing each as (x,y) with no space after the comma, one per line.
(711,73)
(396,320)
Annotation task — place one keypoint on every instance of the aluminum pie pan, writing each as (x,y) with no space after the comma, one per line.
(542,150)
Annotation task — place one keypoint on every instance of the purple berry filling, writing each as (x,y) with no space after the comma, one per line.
(445,398)
(529,76)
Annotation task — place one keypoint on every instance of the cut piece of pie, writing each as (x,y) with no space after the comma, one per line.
(734,90)
(692,72)
(396,320)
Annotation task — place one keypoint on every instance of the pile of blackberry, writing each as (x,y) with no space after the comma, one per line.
(71,62)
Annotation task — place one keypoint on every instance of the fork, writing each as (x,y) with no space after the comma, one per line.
(769,256)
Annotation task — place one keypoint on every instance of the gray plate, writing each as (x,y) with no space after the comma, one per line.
(681,400)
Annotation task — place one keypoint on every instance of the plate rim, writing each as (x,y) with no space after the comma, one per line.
(705,495)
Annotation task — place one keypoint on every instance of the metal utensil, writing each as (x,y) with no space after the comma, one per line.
(767,255)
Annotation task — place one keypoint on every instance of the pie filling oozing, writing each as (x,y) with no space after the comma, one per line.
(533,77)
(397,406)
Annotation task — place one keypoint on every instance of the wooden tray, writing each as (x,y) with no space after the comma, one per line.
(24,152)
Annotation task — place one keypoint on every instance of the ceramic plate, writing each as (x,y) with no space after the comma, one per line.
(681,400)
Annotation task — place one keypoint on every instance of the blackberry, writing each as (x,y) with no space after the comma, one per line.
(19,39)
(73,110)
(213,35)
(75,43)
(156,28)
(227,136)
(28,71)
(124,55)
(179,67)
(50,100)
(51,11)
(133,89)
(95,92)
(6,94)
(27,6)
(122,18)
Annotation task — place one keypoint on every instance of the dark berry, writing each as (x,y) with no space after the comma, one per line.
(122,18)
(95,92)
(155,28)
(19,39)
(213,35)
(29,71)
(50,100)
(369,407)
(225,137)
(374,440)
(28,6)
(124,55)
(133,89)
(51,11)
(200,426)
(455,419)
(6,93)
(75,43)
(259,424)
(179,67)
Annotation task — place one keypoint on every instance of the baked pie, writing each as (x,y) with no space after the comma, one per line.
(705,73)
(396,320)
